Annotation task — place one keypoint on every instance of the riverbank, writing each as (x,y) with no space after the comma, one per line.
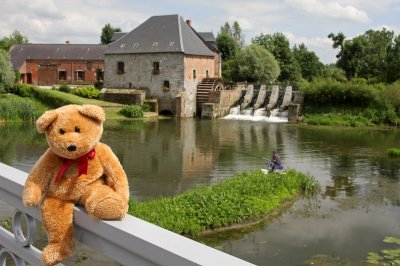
(243,199)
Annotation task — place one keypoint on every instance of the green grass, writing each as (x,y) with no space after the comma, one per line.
(332,119)
(394,152)
(245,197)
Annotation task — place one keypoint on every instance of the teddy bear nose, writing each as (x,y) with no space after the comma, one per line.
(71,148)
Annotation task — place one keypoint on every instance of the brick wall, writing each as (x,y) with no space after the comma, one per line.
(89,68)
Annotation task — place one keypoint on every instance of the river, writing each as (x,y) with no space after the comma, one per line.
(358,207)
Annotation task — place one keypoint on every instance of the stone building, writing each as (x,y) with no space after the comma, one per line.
(51,64)
(166,59)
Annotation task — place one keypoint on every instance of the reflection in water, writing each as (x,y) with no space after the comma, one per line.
(359,202)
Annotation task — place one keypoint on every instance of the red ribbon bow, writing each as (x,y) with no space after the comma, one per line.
(82,165)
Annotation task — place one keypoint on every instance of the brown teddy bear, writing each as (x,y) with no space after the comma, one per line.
(76,169)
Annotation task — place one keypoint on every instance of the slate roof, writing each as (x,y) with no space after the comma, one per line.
(117,35)
(21,52)
(161,34)
(209,38)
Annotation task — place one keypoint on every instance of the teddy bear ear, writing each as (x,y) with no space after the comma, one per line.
(46,120)
(93,111)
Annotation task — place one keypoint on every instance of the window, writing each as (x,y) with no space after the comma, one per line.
(207,73)
(194,74)
(120,68)
(166,84)
(89,65)
(62,75)
(156,68)
(80,75)
(99,74)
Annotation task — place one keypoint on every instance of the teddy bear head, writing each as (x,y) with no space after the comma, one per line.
(72,130)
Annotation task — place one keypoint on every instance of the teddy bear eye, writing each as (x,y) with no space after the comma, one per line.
(77,129)
(62,131)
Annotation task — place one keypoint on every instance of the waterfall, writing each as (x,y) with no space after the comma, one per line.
(263,109)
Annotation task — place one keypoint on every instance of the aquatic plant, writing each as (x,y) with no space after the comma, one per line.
(245,197)
(386,256)
(393,152)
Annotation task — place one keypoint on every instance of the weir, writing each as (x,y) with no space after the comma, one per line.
(263,105)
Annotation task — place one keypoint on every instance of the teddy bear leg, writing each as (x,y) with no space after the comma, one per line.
(102,202)
(57,220)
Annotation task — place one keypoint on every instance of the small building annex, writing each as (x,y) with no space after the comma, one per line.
(51,64)
(166,58)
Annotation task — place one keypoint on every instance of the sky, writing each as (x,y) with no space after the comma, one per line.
(302,21)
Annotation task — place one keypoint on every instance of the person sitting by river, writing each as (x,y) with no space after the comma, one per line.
(275,163)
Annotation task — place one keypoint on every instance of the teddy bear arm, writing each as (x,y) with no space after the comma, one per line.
(37,181)
(116,176)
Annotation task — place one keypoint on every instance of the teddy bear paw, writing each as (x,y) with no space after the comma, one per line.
(109,209)
(53,254)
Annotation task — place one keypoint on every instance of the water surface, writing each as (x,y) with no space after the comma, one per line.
(357,208)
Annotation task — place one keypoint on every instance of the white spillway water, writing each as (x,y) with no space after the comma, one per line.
(259,115)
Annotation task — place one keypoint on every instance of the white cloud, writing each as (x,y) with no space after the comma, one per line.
(331,9)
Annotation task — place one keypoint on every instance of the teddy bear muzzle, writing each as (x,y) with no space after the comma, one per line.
(71,148)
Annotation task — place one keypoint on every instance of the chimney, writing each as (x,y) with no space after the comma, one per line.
(67,42)
(189,22)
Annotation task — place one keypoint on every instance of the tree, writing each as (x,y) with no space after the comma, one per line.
(7,74)
(227,45)
(226,29)
(350,54)
(279,46)
(237,34)
(256,64)
(309,63)
(393,73)
(107,32)
(15,38)
(374,60)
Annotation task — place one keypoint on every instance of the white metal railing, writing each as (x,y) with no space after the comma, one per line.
(131,241)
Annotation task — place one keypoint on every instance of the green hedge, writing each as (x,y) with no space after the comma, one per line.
(87,92)
(132,111)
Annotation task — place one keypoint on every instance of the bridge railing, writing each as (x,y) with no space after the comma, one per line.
(130,242)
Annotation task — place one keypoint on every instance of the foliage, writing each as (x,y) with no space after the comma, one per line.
(229,71)
(332,92)
(334,119)
(23,90)
(394,152)
(245,197)
(373,55)
(7,74)
(132,111)
(227,46)
(279,46)
(64,88)
(309,63)
(387,256)
(107,32)
(87,92)
(333,72)
(15,38)
(256,64)
(99,85)
(235,32)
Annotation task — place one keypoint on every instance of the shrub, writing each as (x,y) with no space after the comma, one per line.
(394,152)
(132,111)
(64,88)
(51,98)
(87,92)
(99,85)
(23,90)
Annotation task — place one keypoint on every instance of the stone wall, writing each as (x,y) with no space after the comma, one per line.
(220,103)
(138,74)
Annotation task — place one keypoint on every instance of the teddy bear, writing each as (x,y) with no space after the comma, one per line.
(76,169)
